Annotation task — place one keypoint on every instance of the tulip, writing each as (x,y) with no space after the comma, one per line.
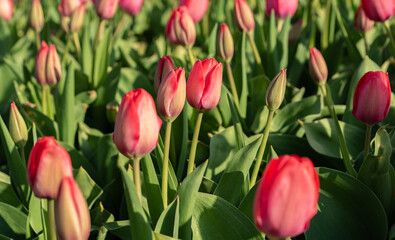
(204,84)
(196,8)
(372,98)
(180,28)
(131,7)
(48,164)
(67,7)
(378,10)
(287,197)
(281,8)
(362,22)
(48,68)
(225,43)
(244,16)
(71,212)
(106,9)
(77,19)
(317,67)
(36,19)
(276,91)
(171,94)
(18,129)
(136,125)
(6,9)
(294,33)
(164,66)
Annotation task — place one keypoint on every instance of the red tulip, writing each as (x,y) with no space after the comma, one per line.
(244,16)
(317,66)
(136,125)
(204,84)
(287,197)
(362,22)
(282,8)
(225,43)
(47,68)
(372,98)
(36,19)
(164,66)
(180,28)
(131,7)
(48,164)
(106,9)
(6,9)
(71,212)
(378,10)
(171,94)
(67,7)
(196,8)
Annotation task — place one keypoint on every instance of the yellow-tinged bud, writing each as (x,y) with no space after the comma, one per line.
(276,91)
(17,126)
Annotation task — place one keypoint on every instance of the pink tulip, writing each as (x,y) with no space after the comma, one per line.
(131,7)
(48,164)
(244,16)
(196,8)
(136,125)
(36,19)
(67,7)
(372,98)
(164,66)
(317,66)
(282,8)
(6,10)
(378,10)
(204,84)
(287,197)
(47,68)
(106,9)
(180,28)
(71,212)
(225,43)
(362,22)
(171,94)
(77,19)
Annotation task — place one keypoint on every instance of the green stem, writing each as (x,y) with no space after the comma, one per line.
(367,140)
(118,30)
(100,29)
(136,176)
(256,53)
(192,153)
(388,28)
(205,25)
(51,218)
(38,40)
(366,43)
(44,100)
(77,44)
(190,55)
(166,164)
(66,50)
(258,162)
(343,145)
(232,84)
(49,102)
(22,154)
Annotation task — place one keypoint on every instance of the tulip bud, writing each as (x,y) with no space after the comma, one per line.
(6,10)
(48,164)
(17,126)
(196,8)
(65,23)
(71,212)
(180,28)
(281,8)
(171,94)
(204,84)
(77,19)
(372,98)
(276,91)
(131,7)
(67,7)
(111,111)
(164,66)
(106,9)
(225,43)
(362,22)
(48,68)
(36,19)
(244,16)
(137,125)
(294,33)
(287,197)
(317,67)
(378,10)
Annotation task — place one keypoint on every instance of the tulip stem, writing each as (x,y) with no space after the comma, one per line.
(44,100)
(136,176)
(166,164)
(21,151)
(366,43)
(66,50)
(388,28)
(51,218)
(38,44)
(256,53)
(343,145)
(99,31)
(77,44)
(190,55)
(118,30)
(192,153)
(232,84)
(367,140)
(258,162)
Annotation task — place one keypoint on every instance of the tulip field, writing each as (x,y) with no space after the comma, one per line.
(197,119)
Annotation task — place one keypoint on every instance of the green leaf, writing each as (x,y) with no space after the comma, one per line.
(86,53)
(283,42)
(89,188)
(34,217)
(168,222)
(7,193)
(246,205)
(101,59)
(211,41)
(240,74)
(99,217)
(45,126)
(12,221)
(120,229)
(107,90)
(240,143)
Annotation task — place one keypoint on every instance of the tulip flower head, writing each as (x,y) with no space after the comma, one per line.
(36,19)
(164,66)
(378,10)
(317,67)
(225,43)
(180,28)
(372,98)
(276,91)
(137,125)
(48,164)
(244,16)
(131,7)
(106,9)
(362,22)
(18,129)
(196,8)
(287,197)
(6,10)
(204,84)
(47,69)
(67,7)
(282,8)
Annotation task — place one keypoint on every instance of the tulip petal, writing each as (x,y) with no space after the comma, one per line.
(212,90)
(195,85)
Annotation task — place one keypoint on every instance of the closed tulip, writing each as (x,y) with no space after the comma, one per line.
(180,28)
(77,19)
(225,43)
(164,66)
(106,9)
(287,197)
(362,22)
(137,125)
(282,8)
(171,94)
(48,164)
(244,16)
(204,84)
(372,98)
(36,19)
(6,10)
(196,8)
(317,66)
(47,69)
(378,10)
(18,129)
(71,212)
(67,7)
(131,7)
(276,91)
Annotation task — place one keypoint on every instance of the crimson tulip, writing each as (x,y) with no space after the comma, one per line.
(317,66)
(225,43)
(362,22)
(196,8)
(48,68)
(180,28)
(6,10)
(164,66)
(244,16)
(282,8)
(131,7)
(106,9)
(378,10)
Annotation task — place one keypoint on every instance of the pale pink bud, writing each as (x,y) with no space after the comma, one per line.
(180,28)
(164,66)
(362,22)
(317,66)
(131,7)
(106,9)
(67,7)
(282,8)
(36,19)
(196,8)
(47,68)
(6,10)
(378,10)
(225,43)
(244,16)
(77,19)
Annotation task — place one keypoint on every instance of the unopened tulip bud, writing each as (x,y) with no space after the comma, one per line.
(281,9)
(6,10)
(362,22)
(36,19)
(77,19)
(204,84)
(65,23)
(276,91)
(317,67)
(18,129)
(48,68)
(244,16)
(71,212)
(180,28)
(164,66)
(67,7)
(378,10)
(294,33)
(131,7)
(106,9)
(48,164)
(372,98)
(196,8)
(171,94)
(225,43)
